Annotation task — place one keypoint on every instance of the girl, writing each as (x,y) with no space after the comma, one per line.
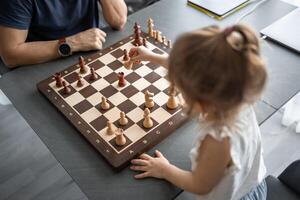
(220,74)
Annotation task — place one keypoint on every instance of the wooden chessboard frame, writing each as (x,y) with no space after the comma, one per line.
(117,160)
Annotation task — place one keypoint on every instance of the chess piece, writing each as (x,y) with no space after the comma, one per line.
(172,101)
(128,65)
(169,44)
(120,138)
(147,123)
(110,130)
(137,33)
(104,104)
(145,42)
(122,81)
(126,55)
(164,39)
(154,34)
(149,103)
(123,120)
(159,36)
(79,81)
(93,75)
(58,79)
(126,58)
(66,90)
(82,65)
(150,27)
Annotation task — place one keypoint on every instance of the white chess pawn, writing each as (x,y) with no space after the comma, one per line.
(104,104)
(172,102)
(120,138)
(147,123)
(149,103)
(123,120)
(110,130)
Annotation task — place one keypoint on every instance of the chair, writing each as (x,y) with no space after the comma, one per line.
(287,185)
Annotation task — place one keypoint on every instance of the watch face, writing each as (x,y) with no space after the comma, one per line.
(65,49)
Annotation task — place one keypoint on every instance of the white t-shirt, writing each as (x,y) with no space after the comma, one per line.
(248,169)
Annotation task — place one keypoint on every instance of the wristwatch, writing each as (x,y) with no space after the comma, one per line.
(64,49)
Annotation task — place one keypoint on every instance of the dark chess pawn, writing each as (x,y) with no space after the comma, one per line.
(58,80)
(125,55)
(122,81)
(79,81)
(82,65)
(145,42)
(93,75)
(67,90)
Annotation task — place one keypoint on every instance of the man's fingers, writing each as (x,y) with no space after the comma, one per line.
(139,162)
(100,32)
(145,156)
(101,39)
(142,175)
(138,168)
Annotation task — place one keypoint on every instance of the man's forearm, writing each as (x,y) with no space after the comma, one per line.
(31,53)
(115,12)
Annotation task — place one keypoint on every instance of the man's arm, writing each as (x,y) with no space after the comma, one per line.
(15,51)
(114,12)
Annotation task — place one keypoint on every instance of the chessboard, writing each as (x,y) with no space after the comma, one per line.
(81,105)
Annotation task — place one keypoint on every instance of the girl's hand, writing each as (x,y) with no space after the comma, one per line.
(140,53)
(150,166)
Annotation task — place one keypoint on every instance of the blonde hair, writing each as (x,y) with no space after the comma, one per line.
(220,69)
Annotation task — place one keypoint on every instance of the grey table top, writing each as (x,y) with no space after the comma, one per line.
(27,169)
(92,174)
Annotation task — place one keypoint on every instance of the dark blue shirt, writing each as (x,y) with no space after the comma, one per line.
(49,19)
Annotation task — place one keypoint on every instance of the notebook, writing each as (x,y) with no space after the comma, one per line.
(285,31)
(218,8)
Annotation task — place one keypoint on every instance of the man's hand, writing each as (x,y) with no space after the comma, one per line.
(91,39)
(150,166)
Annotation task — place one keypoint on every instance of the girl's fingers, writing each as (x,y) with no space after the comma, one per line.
(142,175)
(145,156)
(139,162)
(133,52)
(158,154)
(138,168)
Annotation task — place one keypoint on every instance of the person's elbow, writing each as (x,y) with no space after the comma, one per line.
(10,60)
(119,22)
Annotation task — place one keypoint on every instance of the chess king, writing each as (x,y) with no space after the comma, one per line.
(39,39)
